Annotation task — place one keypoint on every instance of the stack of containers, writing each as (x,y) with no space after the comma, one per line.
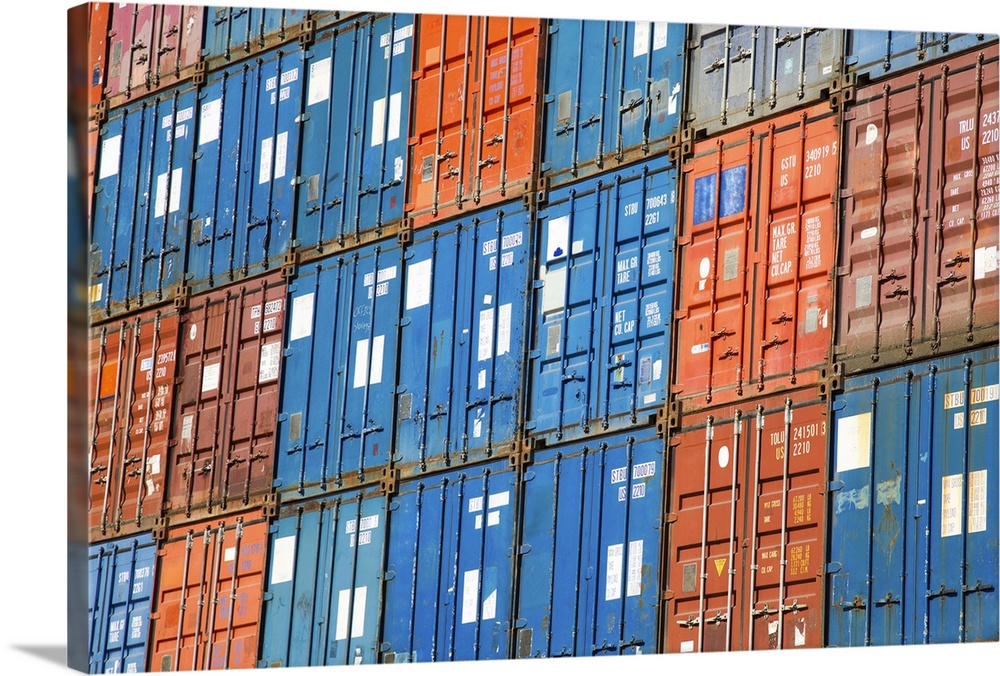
(424,338)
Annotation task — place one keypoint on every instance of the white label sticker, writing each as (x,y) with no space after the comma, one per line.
(395,104)
(499,500)
(800,634)
(634,568)
(397,169)
(485,334)
(175,189)
(270,360)
(160,203)
(475,504)
(477,428)
(187,427)
(699,348)
(492,518)
(319,81)
(868,233)
(481,380)
(503,330)
(977,501)
(871,134)
(266,146)
(657,369)
(558,238)
(302,314)
(959,420)
(361,355)
(358,618)
(687,646)
(854,442)
(660,35)
(986,261)
(951,505)
(153,464)
(418,284)
(613,575)
(378,347)
(230,554)
(283,557)
(210,378)
(211,116)
(96,292)
(360,363)
(470,594)
(343,604)
(378,122)
(641,44)
(479,521)
(490,606)
(577,246)
(723,456)
(111,151)
(280,155)
(553,289)
(977,395)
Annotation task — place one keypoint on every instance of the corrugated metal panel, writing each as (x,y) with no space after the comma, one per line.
(877,53)
(132,368)
(227,398)
(354,132)
(602,306)
(234,33)
(613,94)
(324,587)
(590,547)
(462,339)
(741,74)
(913,530)
(150,47)
(919,253)
(756,253)
(449,581)
(209,582)
(140,206)
(474,135)
(99,22)
(748,526)
(335,427)
(120,594)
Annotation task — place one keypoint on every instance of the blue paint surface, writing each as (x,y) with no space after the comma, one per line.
(877,53)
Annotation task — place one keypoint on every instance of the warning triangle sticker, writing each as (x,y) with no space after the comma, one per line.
(719,565)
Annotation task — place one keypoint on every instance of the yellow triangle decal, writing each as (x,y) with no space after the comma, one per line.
(720,564)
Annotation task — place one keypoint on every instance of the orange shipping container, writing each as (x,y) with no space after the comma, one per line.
(747,527)
(755,260)
(475,129)
(208,593)
(97,31)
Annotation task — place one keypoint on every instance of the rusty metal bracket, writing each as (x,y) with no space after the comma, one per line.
(270,505)
(843,90)
(159,529)
(680,145)
(405,234)
(290,265)
(308,34)
(831,380)
(664,422)
(675,408)
(390,481)
(522,452)
(182,296)
(101,112)
(200,73)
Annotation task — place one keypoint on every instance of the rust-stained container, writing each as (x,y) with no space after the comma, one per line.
(755,260)
(227,399)
(150,47)
(97,33)
(133,363)
(475,128)
(746,526)
(919,250)
(208,593)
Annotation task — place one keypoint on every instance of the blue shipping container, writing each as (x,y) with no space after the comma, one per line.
(245,158)
(142,189)
(233,33)
(590,547)
(449,580)
(613,94)
(462,339)
(121,589)
(600,345)
(877,53)
(354,132)
(913,554)
(335,421)
(322,599)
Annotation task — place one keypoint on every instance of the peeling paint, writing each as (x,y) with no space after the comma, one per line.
(856,497)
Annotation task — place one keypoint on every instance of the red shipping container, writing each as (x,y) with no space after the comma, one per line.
(755,260)
(97,31)
(475,134)
(747,526)
(151,47)
(132,368)
(227,399)
(208,594)
(919,253)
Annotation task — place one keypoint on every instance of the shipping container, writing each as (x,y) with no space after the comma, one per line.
(873,54)
(139,213)
(747,526)
(913,552)
(335,422)
(354,133)
(462,339)
(474,134)
(234,33)
(243,198)
(120,584)
(449,582)
(149,48)
(589,571)
(209,584)
(603,296)
(743,74)
(756,256)
(918,271)
(133,363)
(613,95)
(226,399)
(322,599)
(99,23)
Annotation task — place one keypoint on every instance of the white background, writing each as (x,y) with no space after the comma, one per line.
(33,217)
